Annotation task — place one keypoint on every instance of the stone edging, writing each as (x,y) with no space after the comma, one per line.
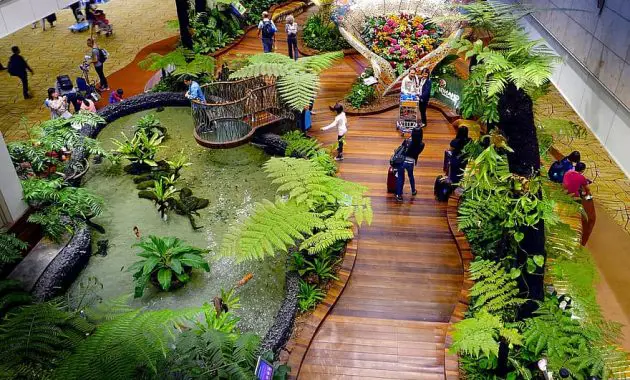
(282,327)
(451,363)
(65,267)
(298,345)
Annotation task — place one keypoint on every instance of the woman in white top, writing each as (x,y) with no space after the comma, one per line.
(409,84)
(58,105)
(291,28)
(342,127)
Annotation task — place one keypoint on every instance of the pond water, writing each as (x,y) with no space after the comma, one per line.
(231,179)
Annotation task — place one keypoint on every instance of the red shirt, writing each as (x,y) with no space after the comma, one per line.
(573,181)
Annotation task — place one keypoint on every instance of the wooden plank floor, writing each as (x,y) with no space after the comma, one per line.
(391,320)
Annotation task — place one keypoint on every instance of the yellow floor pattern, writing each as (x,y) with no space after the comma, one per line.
(55,51)
(611,187)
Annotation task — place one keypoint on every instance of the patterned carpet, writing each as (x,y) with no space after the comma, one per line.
(611,187)
(56,51)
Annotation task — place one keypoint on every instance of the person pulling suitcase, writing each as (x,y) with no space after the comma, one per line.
(404,159)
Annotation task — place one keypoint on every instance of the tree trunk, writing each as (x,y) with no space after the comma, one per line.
(200,6)
(182,17)
(516,121)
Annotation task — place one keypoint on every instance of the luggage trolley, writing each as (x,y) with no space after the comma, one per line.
(408,112)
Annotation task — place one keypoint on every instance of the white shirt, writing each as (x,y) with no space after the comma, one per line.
(263,21)
(291,28)
(340,122)
(409,85)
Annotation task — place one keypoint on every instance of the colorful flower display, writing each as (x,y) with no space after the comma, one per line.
(402,39)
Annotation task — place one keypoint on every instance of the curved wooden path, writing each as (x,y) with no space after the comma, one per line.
(391,320)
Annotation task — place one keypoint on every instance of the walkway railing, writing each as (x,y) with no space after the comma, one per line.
(234,110)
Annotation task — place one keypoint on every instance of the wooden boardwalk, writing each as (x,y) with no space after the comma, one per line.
(391,320)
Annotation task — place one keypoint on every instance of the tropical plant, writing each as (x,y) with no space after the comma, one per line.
(35,338)
(141,149)
(185,62)
(167,261)
(214,354)
(299,146)
(12,295)
(550,131)
(10,248)
(178,163)
(479,335)
(151,125)
(309,296)
(494,290)
(360,94)
(162,194)
(298,81)
(322,34)
(59,207)
(126,344)
(322,268)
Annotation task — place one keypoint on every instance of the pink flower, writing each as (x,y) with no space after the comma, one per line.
(403,51)
(420,26)
(425,32)
(418,33)
(391,50)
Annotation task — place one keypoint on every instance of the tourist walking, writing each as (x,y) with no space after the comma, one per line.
(291,28)
(576,184)
(18,67)
(342,128)
(412,148)
(424,89)
(99,56)
(268,29)
(58,105)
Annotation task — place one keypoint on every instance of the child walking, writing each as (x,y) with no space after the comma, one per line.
(342,127)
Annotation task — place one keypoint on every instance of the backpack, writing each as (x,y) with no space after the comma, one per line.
(102,55)
(400,153)
(268,29)
(442,188)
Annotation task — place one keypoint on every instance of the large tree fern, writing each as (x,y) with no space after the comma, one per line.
(494,290)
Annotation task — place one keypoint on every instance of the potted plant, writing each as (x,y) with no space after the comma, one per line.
(167,263)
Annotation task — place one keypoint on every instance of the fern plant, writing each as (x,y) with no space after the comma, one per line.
(494,291)
(298,81)
(299,146)
(35,338)
(12,295)
(479,336)
(10,248)
(185,62)
(309,296)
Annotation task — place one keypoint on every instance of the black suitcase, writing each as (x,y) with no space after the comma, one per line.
(64,83)
(442,188)
(391,180)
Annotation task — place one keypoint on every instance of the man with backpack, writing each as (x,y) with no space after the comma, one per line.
(268,30)
(18,67)
(99,56)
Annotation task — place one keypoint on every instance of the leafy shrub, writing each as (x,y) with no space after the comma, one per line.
(309,296)
(150,125)
(10,248)
(322,34)
(360,94)
(141,149)
(167,261)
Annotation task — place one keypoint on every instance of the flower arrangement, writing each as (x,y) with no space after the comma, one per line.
(402,39)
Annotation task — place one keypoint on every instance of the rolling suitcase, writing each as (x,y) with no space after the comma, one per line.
(442,188)
(391,180)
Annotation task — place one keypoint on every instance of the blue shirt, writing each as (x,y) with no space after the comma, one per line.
(194,92)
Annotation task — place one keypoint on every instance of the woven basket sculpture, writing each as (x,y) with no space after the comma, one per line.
(350,15)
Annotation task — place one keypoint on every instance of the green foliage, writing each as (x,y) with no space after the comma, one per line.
(150,125)
(323,268)
(298,81)
(12,295)
(141,149)
(214,29)
(300,146)
(510,57)
(495,290)
(360,94)
(10,248)
(167,259)
(309,296)
(479,335)
(322,34)
(550,131)
(213,354)
(35,338)
(56,202)
(125,345)
(185,62)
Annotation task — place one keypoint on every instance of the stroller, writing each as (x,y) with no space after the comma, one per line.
(102,23)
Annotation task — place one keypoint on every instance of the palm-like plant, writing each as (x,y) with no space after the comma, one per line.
(167,262)
(298,81)
(141,149)
(184,61)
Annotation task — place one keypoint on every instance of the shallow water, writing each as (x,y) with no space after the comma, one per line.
(231,179)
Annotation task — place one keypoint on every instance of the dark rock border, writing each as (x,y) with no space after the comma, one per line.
(65,267)
(280,332)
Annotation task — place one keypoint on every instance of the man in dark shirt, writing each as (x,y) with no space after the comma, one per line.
(17,67)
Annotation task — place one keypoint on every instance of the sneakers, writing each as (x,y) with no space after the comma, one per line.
(414,193)
(339,158)
(399,198)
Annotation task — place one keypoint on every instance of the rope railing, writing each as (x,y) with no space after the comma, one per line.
(228,123)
